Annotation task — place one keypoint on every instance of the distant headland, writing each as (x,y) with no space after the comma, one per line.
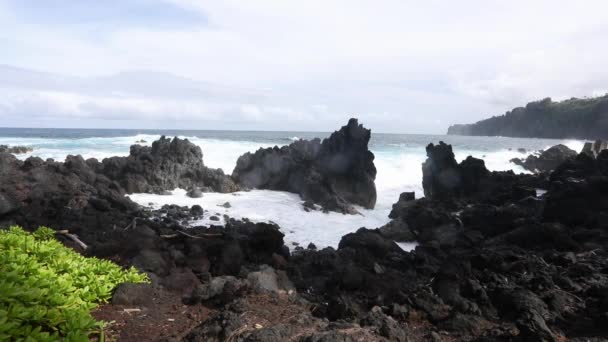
(575,118)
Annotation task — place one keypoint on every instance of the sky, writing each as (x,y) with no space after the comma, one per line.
(399,66)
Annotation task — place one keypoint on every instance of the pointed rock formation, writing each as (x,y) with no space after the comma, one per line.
(336,173)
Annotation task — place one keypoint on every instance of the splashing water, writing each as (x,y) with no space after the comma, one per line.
(398,159)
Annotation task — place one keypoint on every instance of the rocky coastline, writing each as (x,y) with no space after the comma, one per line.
(15,149)
(547,160)
(334,173)
(495,260)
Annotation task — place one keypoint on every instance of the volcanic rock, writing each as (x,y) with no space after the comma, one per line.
(195,193)
(15,149)
(70,196)
(336,173)
(593,149)
(548,160)
(166,165)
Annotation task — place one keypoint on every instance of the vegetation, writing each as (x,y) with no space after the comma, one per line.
(574,118)
(47,290)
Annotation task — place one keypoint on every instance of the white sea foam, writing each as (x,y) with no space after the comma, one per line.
(495,161)
(398,171)
(223,154)
(398,165)
(407,246)
(282,208)
(576,145)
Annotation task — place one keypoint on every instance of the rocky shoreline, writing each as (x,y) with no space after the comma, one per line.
(15,149)
(546,161)
(494,261)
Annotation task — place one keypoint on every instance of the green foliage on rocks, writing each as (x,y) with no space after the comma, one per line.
(47,290)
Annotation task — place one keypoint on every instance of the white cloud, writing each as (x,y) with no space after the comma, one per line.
(403,65)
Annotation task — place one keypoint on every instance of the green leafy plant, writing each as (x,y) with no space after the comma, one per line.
(47,290)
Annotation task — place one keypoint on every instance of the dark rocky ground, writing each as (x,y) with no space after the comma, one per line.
(495,261)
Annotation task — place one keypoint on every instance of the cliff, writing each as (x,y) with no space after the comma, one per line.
(574,118)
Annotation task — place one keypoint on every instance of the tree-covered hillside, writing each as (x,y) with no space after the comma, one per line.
(574,118)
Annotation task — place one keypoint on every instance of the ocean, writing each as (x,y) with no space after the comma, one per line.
(398,159)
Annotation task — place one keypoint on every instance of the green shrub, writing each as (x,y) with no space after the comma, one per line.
(47,290)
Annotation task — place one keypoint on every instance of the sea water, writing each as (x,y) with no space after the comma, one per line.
(398,159)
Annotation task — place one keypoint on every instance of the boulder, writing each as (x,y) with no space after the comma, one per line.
(370,241)
(397,230)
(166,165)
(269,280)
(221,290)
(195,193)
(152,261)
(238,244)
(443,177)
(385,325)
(593,149)
(336,173)
(181,280)
(577,192)
(529,312)
(133,294)
(548,160)
(197,210)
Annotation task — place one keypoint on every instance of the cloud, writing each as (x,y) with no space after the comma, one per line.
(401,66)
(150,99)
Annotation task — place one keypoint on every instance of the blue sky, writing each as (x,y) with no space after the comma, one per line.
(398,65)
(107,14)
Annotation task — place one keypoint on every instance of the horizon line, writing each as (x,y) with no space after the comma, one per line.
(203,130)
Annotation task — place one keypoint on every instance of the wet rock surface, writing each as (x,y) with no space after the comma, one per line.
(547,160)
(444,179)
(593,149)
(334,173)
(15,149)
(166,165)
